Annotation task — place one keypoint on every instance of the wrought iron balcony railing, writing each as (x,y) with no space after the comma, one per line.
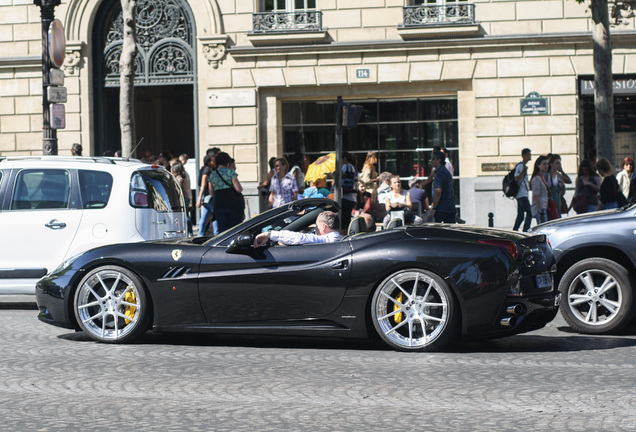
(264,22)
(456,13)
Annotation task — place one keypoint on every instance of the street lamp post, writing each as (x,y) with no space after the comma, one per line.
(49,142)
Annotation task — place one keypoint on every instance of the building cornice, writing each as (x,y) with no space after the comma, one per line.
(25,62)
(483,42)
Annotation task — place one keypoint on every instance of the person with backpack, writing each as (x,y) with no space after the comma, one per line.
(524,209)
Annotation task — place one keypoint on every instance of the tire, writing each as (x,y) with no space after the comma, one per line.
(597,296)
(414,310)
(111,305)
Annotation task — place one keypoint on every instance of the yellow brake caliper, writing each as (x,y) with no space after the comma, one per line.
(398,316)
(129,297)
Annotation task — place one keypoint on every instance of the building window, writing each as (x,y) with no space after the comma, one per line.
(402,131)
(287,16)
(432,12)
(288,5)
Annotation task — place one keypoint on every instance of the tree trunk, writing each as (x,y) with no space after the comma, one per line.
(127,78)
(603,81)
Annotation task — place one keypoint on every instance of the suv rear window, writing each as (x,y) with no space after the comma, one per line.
(41,189)
(157,190)
(95,187)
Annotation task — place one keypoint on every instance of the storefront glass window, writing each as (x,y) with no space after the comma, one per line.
(402,131)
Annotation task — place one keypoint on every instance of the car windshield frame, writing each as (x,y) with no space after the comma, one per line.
(296,216)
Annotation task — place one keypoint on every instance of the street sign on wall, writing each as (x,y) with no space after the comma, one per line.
(534,104)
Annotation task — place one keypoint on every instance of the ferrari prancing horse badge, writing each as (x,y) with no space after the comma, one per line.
(176,254)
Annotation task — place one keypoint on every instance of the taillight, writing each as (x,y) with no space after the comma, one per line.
(508,245)
(138,191)
(140,199)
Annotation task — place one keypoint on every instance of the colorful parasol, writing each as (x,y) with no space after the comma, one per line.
(319,169)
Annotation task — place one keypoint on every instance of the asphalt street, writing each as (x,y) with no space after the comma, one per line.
(552,379)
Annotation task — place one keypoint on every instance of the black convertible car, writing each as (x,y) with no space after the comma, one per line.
(417,287)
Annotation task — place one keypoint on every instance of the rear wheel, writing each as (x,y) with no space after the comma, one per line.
(598,296)
(414,310)
(111,305)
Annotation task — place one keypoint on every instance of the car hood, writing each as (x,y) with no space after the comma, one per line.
(604,216)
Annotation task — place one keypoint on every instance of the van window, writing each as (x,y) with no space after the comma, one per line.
(41,189)
(95,187)
(156,189)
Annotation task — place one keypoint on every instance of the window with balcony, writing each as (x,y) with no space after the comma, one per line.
(436,12)
(287,16)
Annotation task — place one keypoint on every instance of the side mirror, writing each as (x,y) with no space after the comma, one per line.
(244,241)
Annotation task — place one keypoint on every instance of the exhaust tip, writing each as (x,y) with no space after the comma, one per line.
(508,322)
(514,309)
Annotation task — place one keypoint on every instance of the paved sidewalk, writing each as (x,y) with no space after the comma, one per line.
(18,301)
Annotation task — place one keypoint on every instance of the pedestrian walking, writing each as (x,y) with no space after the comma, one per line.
(524,209)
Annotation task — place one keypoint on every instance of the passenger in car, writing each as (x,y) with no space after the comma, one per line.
(327,231)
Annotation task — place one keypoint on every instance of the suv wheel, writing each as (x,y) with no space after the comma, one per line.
(597,295)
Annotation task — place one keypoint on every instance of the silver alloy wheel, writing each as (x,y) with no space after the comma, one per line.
(109,305)
(594,297)
(412,309)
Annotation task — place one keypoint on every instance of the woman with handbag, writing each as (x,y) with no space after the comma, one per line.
(540,190)
(229,204)
(556,180)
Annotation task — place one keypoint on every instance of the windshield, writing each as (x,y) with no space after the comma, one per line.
(295,218)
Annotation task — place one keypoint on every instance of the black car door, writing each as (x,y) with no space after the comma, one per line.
(275,283)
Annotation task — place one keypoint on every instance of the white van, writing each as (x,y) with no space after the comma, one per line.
(54,207)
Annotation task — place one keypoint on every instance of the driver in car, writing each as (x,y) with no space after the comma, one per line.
(327,231)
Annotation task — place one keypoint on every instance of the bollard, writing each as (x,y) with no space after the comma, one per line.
(491,219)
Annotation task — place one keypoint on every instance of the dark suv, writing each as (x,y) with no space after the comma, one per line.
(596,268)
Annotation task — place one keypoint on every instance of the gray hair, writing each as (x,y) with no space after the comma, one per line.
(330,219)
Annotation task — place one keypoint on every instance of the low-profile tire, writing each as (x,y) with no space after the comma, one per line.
(414,310)
(597,296)
(111,305)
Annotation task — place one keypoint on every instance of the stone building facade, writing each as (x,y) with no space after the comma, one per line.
(259,78)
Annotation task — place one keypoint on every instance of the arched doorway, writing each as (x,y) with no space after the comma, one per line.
(165,83)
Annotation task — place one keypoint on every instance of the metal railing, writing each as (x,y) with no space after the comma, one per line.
(455,13)
(264,22)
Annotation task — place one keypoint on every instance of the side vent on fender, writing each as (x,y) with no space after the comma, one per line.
(175,272)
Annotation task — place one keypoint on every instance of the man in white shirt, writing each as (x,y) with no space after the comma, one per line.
(524,210)
(327,231)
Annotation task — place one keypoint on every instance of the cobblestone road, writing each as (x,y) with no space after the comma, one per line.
(56,380)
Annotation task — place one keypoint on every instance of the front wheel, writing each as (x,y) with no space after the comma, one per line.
(598,294)
(111,305)
(414,310)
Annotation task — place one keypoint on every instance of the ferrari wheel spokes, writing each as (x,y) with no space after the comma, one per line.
(109,304)
(412,309)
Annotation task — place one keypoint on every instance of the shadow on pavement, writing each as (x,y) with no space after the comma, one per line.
(521,343)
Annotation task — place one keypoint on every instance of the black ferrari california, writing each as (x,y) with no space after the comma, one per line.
(416,287)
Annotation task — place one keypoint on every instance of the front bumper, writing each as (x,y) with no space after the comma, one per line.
(54,305)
